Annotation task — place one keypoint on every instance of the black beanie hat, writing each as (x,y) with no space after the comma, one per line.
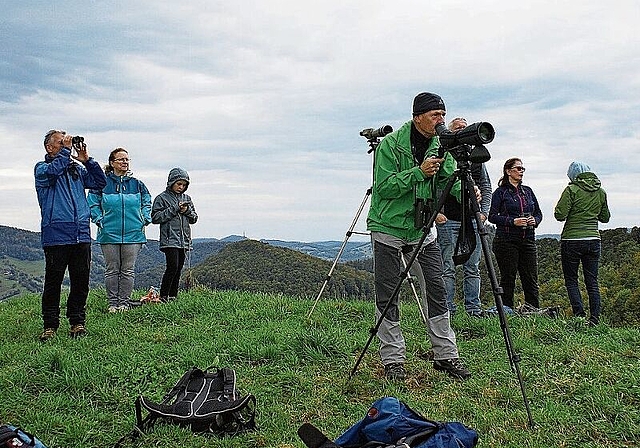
(425,101)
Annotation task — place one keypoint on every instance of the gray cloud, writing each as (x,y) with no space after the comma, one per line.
(263,101)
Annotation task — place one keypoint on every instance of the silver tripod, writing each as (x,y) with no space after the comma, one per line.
(350,232)
(373,138)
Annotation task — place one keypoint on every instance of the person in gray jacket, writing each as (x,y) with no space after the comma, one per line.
(175,212)
(448,223)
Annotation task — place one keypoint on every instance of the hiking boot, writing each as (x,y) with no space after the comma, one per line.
(123,308)
(112,309)
(395,372)
(77,331)
(47,334)
(453,367)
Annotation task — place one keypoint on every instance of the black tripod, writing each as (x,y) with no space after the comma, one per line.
(463,155)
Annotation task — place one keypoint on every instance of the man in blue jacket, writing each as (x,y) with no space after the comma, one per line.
(61,180)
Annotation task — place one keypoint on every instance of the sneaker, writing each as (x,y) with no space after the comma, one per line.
(134,303)
(453,367)
(112,309)
(476,313)
(395,372)
(77,331)
(123,308)
(47,334)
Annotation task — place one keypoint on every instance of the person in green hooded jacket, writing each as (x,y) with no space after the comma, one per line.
(581,206)
(408,171)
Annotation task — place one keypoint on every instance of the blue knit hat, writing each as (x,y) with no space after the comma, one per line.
(577,168)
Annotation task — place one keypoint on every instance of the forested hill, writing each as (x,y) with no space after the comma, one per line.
(260,267)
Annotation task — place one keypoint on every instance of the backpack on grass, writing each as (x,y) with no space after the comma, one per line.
(206,401)
(12,437)
(390,423)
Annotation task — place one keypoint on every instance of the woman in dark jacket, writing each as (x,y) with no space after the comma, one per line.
(174,211)
(516,213)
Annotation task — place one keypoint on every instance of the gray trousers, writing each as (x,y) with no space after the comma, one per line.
(119,273)
(427,270)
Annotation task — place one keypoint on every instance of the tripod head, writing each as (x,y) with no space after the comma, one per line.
(373,136)
(467,153)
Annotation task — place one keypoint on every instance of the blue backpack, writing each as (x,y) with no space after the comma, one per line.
(391,423)
(10,436)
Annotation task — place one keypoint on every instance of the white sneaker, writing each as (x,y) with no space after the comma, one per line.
(112,309)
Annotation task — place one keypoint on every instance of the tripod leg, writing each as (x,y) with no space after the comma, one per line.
(411,281)
(342,247)
(425,232)
(514,358)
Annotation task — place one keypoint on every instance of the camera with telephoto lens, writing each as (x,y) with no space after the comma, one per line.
(372,134)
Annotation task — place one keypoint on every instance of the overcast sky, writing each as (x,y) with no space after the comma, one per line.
(263,101)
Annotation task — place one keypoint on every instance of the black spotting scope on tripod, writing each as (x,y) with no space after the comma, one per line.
(466,146)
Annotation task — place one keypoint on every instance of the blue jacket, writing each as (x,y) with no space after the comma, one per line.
(60,185)
(121,210)
(508,203)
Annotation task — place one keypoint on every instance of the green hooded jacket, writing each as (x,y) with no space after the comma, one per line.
(582,204)
(398,182)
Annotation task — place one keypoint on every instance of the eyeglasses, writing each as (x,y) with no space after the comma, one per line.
(519,168)
(123,160)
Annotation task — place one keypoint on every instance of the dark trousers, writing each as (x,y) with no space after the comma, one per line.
(171,278)
(572,254)
(77,258)
(517,256)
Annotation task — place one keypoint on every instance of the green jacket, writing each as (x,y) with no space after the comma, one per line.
(582,204)
(398,181)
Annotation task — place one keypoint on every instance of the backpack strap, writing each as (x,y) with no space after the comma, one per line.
(314,438)
(181,384)
(229,383)
(417,439)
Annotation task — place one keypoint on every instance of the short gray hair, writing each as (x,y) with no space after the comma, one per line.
(48,135)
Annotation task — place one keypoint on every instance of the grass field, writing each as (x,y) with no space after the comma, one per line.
(582,383)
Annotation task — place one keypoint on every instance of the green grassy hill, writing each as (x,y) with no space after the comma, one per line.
(260,267)
(583,383)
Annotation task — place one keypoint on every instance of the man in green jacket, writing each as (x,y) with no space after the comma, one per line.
(407,172)
(582,204)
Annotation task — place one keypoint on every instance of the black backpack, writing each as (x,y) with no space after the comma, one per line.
(207,402)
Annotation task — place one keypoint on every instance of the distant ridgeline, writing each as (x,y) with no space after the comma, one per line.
(299,269)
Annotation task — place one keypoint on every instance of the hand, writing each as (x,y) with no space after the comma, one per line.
(66,140)
(521,222)
(430,166)
(184,206)
(531,221)
(81,155)
(441,219)
(478,193)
